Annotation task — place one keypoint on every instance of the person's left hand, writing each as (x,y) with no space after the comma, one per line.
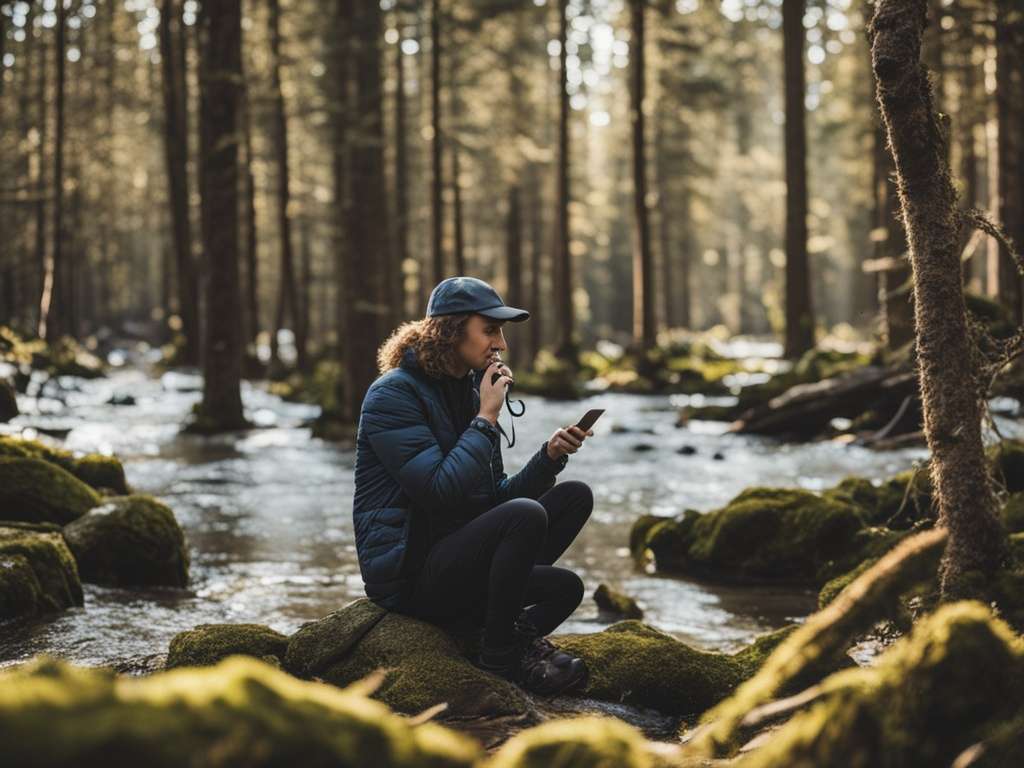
(503,369)
(566,440)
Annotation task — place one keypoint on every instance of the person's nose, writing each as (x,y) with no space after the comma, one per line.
(501,346)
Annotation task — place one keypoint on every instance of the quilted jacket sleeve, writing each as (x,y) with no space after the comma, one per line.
(533,480)
(394,422)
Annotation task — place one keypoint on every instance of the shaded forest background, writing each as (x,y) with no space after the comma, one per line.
(208,174)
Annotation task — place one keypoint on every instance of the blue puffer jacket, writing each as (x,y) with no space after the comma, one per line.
(410,463)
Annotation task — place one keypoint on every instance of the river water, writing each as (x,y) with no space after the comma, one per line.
(267,513)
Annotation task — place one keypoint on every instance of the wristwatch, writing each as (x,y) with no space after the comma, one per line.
(479,422)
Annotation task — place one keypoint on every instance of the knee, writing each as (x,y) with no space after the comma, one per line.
(581,493)
(574,588)
(527,515)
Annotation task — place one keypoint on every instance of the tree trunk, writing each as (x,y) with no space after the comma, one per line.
(172,43)
(252,303)
(287,300)
(341,171)
(668,288)
(52,323)
(514,264)
(41,261)
(304,305)
(436,198)
(566,345)
(401,181)
(220,88)
(368,225)
(799,313)
(537,313)
(644,330)
(948,377)
(1009,89)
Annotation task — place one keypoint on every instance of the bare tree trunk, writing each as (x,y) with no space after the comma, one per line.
(436,198)
(368,225)
(52,320)
(644,329)
(340,124)
(252,314)
(514,263)
(401,179)
(172,44)
(287,300)
(799,314)
(668,289)
(1009,89)
(948,376)
(537,313)
(303,310)
(566,346)
(220,87)
(41,261)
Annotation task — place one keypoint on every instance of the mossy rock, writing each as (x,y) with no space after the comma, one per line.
(37,572)
(580,742)
(613,603)
(35,490)
(93,469)
(956,679)
(786,535)
(833,587)
(889,503)
(240,712)
(209,644)
(426,665)
(130,541)
(636,664)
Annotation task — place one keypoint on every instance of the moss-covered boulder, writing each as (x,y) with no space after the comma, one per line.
(611,603)
(776,534)
(636,664)
(581,742)
(427,665)
(957,679)
(241,712)
(35,491)
(93,469)
(897,502)
(37,572)
(208,644)
(130,541)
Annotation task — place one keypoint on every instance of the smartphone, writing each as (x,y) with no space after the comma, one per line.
(589,418)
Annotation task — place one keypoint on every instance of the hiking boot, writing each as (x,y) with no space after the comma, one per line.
(543,647)
(528,665)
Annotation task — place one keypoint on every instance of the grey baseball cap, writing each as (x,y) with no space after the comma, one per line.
(456,295)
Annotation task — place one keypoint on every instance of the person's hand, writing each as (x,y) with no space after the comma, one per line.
(493,395)
(566,440)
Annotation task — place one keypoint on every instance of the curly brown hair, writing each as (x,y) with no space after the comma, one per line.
(434,339)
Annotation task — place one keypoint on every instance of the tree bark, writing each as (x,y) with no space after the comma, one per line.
(172,43)
(948,377)
(799,313)
(437,181)
(644,330)
(401,179)
(220,87)
(287,299)
(566,345)
(53,319)
(252,304)
(1009,89)
(514,263)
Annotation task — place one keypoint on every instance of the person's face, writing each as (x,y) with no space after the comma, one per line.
(483,338)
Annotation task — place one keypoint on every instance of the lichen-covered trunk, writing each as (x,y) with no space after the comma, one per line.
(950,397)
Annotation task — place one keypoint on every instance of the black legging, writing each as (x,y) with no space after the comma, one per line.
(501,561)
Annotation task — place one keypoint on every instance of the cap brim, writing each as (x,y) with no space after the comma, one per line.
(512,314)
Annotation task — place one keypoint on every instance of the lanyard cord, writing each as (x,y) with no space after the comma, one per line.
(508,404)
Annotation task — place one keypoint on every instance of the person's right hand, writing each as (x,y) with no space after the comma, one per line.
(492,395)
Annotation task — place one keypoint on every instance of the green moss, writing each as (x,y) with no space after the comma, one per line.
(208,644)
(426,666)
(92,469)
(130,541)
(634,663)
(929,697)
(34,490)
(583,742)
(890,503)
(1013,513)
(609,601)
(37,573)
(240,712)
(834,586)
(764,533)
